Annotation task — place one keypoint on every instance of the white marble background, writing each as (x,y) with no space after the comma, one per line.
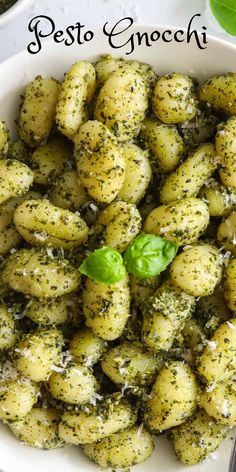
(15,36)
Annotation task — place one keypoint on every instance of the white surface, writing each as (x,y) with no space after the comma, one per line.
(15,457)
(14,37)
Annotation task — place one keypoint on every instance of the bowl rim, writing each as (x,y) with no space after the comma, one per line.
(16,9)
(97,30)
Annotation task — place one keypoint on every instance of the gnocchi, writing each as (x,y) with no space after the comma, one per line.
(76,90)
(86,347)
(43,224)
(188,268)
(51,160)
(173,397)
(100,162)
(67,191)
(220,403)
(122,449)
(198,437)
(38,352)
(39,428)
(15,179)
(38,111)
(212,311)
(219,199)
(199,130)
(218,360)
(8,334)
(107,65)
(90,425)
(230,285)
(9,236)
(131,363)
(106,308)
(138,174)
(142,289)
(225,148)
(74,385)
(190,176)
(122,103)
(54,311)
(163,316)
(181,222)
(226,234)
(37,274)
(220,92)
(118,225)
(174,99)
(164,143)
(17,398)
(4,138)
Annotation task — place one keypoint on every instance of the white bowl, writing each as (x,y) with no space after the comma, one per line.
(17,9)
(54,59)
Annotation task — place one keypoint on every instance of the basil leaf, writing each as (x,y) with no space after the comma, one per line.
(225,13)
(104,265)
(148,255)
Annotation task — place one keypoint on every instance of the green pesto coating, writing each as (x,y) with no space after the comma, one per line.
(122,449)
(195,439)
(130,362)
(39,428)
(164,314)
(34,272)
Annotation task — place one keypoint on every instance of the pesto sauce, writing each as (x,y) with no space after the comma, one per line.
(6,4)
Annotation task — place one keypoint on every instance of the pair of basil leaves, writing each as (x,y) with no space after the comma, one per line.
(147,256)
